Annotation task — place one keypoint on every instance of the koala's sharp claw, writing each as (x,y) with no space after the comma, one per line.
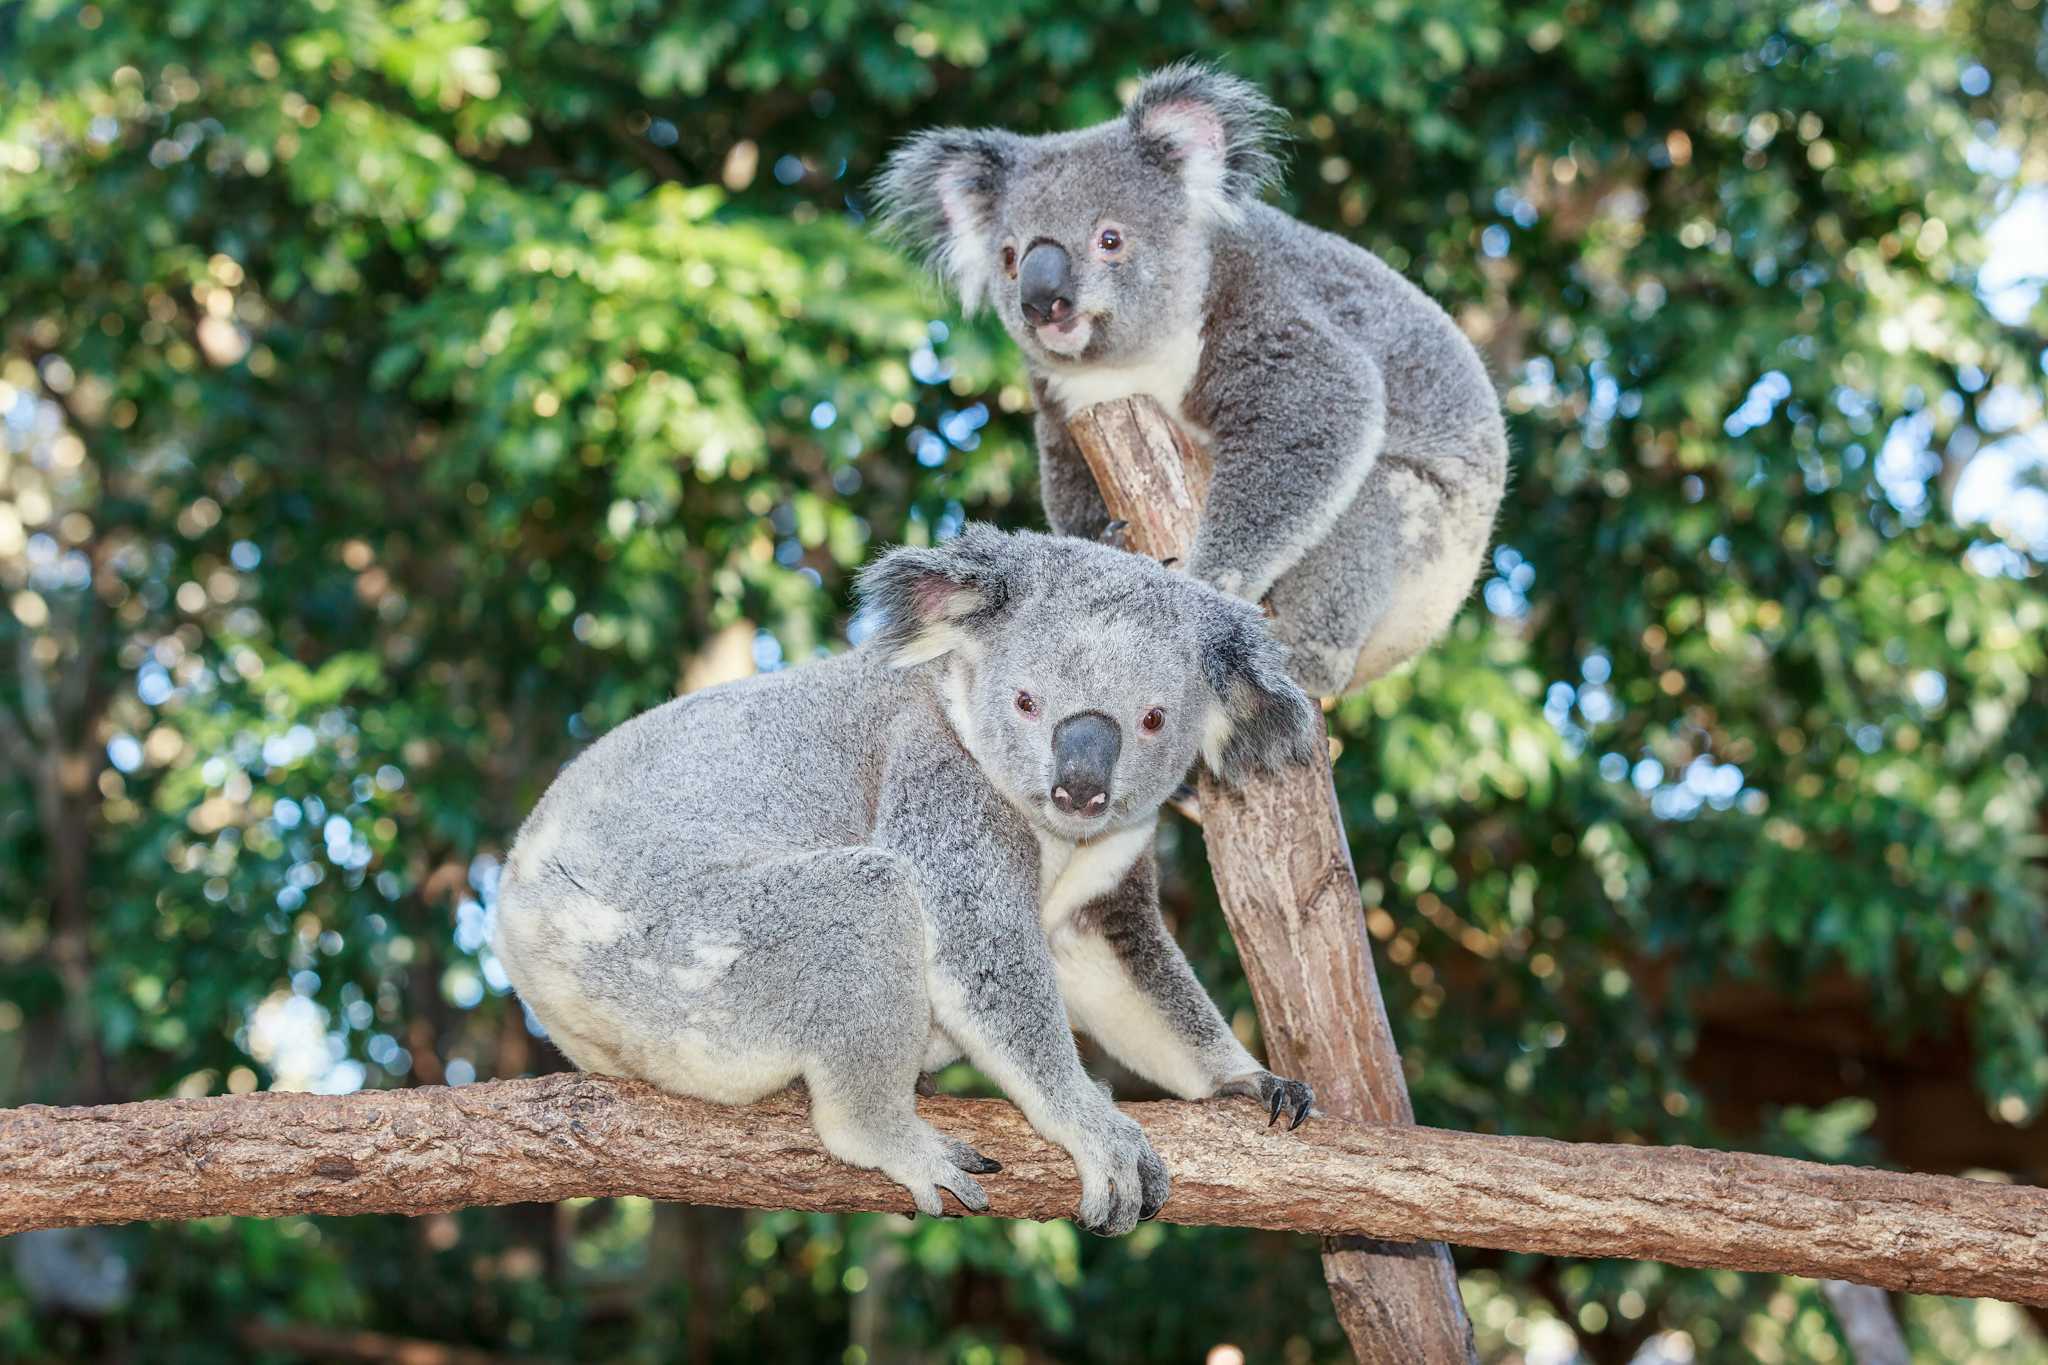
(1113,534)
(963,1156)
(1280,1096)
(1299,1100)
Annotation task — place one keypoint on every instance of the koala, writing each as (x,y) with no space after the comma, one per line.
(1355,437)
(935,845)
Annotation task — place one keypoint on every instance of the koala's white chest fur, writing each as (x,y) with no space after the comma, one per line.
(1164,375)
(1071,875)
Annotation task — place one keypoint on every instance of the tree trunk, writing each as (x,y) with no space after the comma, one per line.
(1284,875)
(1866,1318)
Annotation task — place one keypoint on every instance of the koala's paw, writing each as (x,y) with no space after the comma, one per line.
(933,1169)
(1123,1181)
(1276,1094)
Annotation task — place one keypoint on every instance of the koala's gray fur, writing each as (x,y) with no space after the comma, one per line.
(1357,440)
(855,870)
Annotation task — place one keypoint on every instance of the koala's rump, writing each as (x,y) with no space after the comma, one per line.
(649,907)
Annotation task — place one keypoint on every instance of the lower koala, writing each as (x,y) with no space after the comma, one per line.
(936,845)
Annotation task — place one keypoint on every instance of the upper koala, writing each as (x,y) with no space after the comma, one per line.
(1357,441)
(937,844)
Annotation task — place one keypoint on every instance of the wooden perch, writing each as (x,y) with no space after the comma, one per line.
(1284,876)
(431,1149)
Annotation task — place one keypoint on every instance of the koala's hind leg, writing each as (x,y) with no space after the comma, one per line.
(843,980)
(1389,578)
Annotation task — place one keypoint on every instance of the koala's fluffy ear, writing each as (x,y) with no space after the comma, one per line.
(937,194)
(922,603)
(1262,720)
(1217,130)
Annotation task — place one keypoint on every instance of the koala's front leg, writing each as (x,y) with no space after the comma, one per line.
(991,981)
(1129,987)
(1295,425)
(997,996)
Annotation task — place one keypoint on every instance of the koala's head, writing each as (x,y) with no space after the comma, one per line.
(1093,246)
(1085,680)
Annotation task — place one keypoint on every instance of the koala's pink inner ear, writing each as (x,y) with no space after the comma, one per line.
(1190,126)
(938,598)
(1197,140)
(956,198)
(964,254)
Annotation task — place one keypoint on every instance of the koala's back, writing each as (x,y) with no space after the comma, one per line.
(1275,269)
(783,761)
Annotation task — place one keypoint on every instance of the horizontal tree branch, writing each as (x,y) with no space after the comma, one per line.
(307,1342)
(432,1149)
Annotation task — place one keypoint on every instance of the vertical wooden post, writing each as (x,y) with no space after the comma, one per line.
(1284,875)
(1865,1316)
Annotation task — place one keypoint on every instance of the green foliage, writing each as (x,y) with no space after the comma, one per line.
(397,395)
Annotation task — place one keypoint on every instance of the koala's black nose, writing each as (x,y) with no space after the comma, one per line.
(1084,750)
(1045,284)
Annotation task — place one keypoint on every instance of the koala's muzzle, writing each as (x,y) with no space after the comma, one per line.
(1084,750)
(1045,284)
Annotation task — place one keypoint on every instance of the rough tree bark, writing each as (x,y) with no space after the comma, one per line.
(1284,875)
(431,1149)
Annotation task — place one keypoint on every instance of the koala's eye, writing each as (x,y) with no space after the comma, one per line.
(1110,240)
(1010,261)
(1027,703)
(1153,721)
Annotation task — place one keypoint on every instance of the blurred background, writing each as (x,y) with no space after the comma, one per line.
(395,397)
